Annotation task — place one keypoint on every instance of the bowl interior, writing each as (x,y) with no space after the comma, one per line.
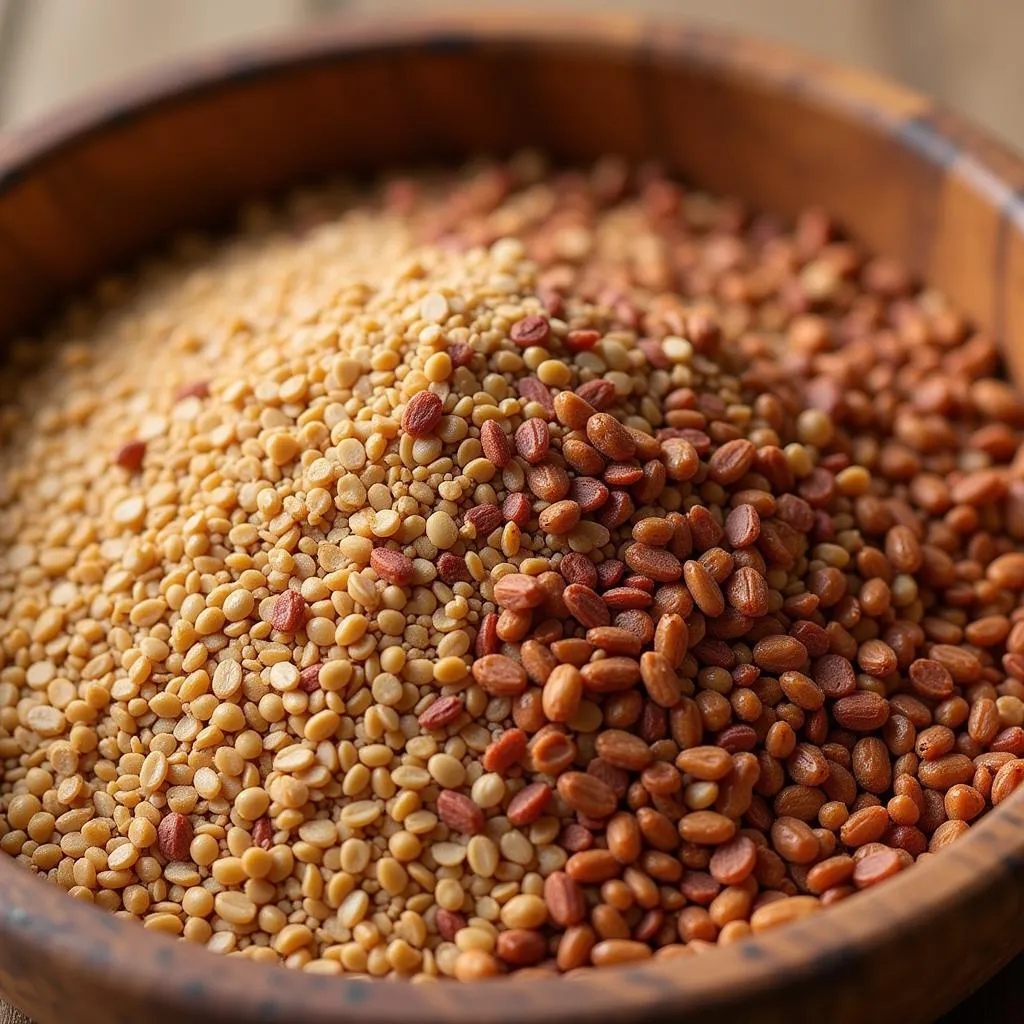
(93,189)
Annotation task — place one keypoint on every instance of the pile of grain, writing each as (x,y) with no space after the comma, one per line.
(509,571)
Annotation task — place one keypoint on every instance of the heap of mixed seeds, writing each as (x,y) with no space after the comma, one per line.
(504,571)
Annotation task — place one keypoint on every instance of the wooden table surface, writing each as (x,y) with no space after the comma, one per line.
(967,54)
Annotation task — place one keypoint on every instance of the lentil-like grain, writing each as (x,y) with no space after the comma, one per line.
(504,572)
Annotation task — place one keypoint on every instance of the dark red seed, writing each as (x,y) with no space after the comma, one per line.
(289,612)
(263,833)
(649,926)
(551,301)
(700,888)
(460,353)
(531,330)
(309,678)
(746,675)
(824,530)
(1009,740)
(742,526)
(495,443)
(715,652)
(392,566)
(578,568)
(700,441)
(130,456)
(627,597)
(533,439)
(617,779)
(452,568)
(485,518)
(639,583)
(588,492)
(623,474)
(516,508)
(582,340)
(638,622)
(814,637)
(529,804)
(617,510)
(655,353)
(599,393)
(441,712)
(653,724)
(610,572)
(575,838)
(174,836)
(795,512)
(532,390)
(487,641)
(449,923)
(422,414)
(735,738)
(818,488)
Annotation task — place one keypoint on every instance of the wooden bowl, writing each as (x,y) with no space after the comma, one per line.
(94,188)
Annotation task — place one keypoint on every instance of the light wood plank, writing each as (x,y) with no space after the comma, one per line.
(965,53)
(836,28)
(68,47)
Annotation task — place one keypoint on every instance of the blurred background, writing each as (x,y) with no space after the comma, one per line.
(966,52)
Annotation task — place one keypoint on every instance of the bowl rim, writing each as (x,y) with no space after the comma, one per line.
(43,922)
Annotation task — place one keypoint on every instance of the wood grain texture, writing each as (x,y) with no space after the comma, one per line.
(93,189)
